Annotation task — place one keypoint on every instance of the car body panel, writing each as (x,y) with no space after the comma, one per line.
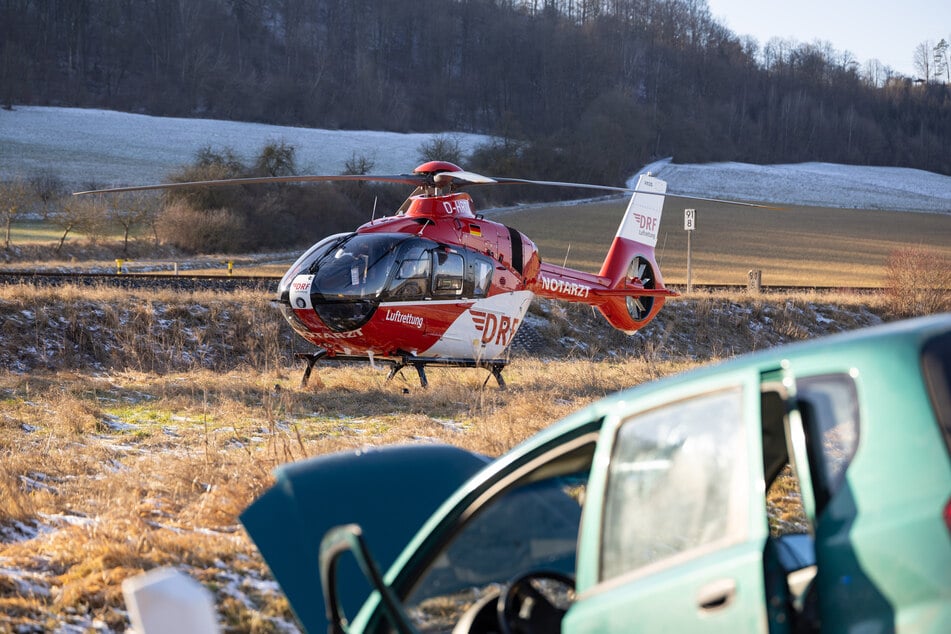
(389,491)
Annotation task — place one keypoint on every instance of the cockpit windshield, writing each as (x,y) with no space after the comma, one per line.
(350,274)
(355,268)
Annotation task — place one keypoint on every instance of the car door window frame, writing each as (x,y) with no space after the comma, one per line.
(737,520)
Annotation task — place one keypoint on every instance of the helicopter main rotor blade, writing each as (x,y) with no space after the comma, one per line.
(525,181)
(470,178)
(406,179)
(627,190)
(458,178)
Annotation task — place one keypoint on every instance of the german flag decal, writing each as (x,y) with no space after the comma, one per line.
(475,230)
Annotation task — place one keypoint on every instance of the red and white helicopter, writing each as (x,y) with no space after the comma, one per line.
(439,284)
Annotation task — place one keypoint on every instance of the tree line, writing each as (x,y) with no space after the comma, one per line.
(572,89)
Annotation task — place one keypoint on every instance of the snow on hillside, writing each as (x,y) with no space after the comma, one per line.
(115,148)
(818,184)
(118,148)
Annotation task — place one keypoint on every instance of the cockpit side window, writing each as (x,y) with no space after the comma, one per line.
(481,269)
(412,277)
(447,274)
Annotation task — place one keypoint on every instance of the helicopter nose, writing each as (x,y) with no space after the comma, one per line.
(298,294)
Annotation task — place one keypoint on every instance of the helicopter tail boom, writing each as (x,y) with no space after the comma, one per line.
(629,290)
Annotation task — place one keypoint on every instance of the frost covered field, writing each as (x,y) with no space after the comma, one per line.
(812,184)
(116,148)
(138,426)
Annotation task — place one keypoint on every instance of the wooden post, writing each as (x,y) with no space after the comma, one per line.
(690,223)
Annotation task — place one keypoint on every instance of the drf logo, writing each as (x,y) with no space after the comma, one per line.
(646,223)
(497,329)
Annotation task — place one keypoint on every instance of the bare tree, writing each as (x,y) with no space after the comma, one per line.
(78,214)
(14,200)
(131,211)
(876,74)
(277,158)
(48,188)
(923,60)
(357,165)
(444,147)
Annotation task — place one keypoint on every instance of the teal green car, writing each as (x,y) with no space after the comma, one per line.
(801,489)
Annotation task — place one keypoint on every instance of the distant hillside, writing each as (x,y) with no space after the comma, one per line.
(577,90)
(100,146)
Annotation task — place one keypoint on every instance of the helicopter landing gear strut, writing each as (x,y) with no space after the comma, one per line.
(496,370)
(420,370)
(495,367)
(311,358)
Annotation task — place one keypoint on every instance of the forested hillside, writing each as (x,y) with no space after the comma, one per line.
(584,89)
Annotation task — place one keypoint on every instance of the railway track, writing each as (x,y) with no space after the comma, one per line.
(185,282)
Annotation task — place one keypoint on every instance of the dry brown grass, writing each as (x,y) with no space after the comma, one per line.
(107,476)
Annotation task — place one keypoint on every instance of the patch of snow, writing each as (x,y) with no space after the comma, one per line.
(118,148)
(27,584)
(816,184)
(449,424)
(115,424)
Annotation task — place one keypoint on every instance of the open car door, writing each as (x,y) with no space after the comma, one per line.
(388,491)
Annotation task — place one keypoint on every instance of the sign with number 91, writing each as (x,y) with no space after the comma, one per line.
(690,219)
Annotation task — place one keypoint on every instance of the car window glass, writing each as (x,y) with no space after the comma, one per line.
(529,527)
(936,369)
(672,481)
(830,414)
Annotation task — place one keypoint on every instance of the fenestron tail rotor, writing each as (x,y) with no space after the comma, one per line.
(641,270)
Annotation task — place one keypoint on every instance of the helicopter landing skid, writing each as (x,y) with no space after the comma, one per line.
(495,366)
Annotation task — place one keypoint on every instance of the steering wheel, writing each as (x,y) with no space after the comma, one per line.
(527,607)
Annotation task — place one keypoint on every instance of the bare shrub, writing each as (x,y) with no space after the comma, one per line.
(918,282)
(443,147)
(207,231)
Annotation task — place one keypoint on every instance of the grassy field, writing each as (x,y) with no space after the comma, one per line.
(104,477)
(135,426)
(795,246)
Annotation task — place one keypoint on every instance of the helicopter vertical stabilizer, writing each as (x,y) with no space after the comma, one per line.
(631,263)
(642,219)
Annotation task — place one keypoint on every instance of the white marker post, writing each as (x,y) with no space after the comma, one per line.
(690,223)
